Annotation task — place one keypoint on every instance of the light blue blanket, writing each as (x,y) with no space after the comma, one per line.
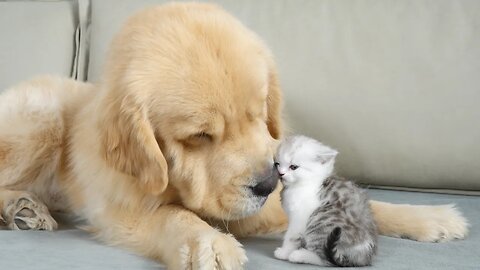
(70,248)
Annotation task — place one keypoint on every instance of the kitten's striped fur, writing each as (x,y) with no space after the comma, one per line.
(342,230)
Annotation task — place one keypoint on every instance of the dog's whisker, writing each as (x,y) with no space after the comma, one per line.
(238,221)
(228,221)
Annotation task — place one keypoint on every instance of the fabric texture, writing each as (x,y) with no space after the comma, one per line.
(82,40)
(37,37)
(71,248)
(393,85)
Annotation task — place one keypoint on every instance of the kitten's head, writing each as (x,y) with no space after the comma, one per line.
(303,160)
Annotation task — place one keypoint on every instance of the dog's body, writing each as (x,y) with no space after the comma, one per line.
(182,129)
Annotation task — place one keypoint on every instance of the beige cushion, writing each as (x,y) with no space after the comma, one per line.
(36,37)
(394,85)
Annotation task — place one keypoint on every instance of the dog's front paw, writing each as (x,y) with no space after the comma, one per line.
(443,223)
(212,250)
(26,212)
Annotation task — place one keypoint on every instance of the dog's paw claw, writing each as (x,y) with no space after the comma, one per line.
(28,213)
(212,251)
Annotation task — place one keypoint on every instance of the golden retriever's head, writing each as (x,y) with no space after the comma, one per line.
(193,103)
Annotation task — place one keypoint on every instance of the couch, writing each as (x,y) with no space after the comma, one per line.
(392,84)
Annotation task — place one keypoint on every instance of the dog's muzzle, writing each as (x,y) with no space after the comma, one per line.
(268,180)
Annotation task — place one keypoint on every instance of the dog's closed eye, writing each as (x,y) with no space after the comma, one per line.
(203,135)
(198,139)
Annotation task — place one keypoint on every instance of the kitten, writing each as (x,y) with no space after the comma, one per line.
(330,221)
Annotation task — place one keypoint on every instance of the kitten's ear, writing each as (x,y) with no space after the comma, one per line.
(327,156)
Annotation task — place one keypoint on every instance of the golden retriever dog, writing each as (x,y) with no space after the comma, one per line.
(175,141)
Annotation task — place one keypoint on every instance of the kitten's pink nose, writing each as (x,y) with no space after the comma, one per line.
(281,174)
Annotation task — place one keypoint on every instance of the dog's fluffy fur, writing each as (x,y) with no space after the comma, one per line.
(168,144)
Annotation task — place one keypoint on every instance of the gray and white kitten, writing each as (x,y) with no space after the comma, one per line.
(330,221)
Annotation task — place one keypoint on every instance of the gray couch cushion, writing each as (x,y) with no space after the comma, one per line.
(74,249)
(392,84)
(36,37)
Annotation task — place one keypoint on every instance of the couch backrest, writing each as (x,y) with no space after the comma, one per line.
(393,85)
(36,37)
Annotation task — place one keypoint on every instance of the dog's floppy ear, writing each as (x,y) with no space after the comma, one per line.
(274,104)
(129,144)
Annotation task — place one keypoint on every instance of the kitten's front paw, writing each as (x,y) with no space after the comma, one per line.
(297,256)
(305,256)
(282,253)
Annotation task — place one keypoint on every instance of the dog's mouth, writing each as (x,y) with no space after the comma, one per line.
(259,191)
(237,201)
(252,205)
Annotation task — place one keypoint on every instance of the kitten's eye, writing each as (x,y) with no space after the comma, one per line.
(293,167)
(276,164)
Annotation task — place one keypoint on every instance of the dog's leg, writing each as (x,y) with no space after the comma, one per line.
(21,210)
(173,235)
(425,223)
(31,142)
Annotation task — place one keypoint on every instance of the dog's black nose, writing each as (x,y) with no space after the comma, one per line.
(268,182)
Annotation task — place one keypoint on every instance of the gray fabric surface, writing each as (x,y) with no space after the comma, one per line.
(73,249)
(392,84)
(36,37)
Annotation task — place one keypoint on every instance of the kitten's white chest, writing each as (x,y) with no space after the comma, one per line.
(299,203)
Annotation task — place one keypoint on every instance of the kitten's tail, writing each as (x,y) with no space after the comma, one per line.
(330,250)
(346,258)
